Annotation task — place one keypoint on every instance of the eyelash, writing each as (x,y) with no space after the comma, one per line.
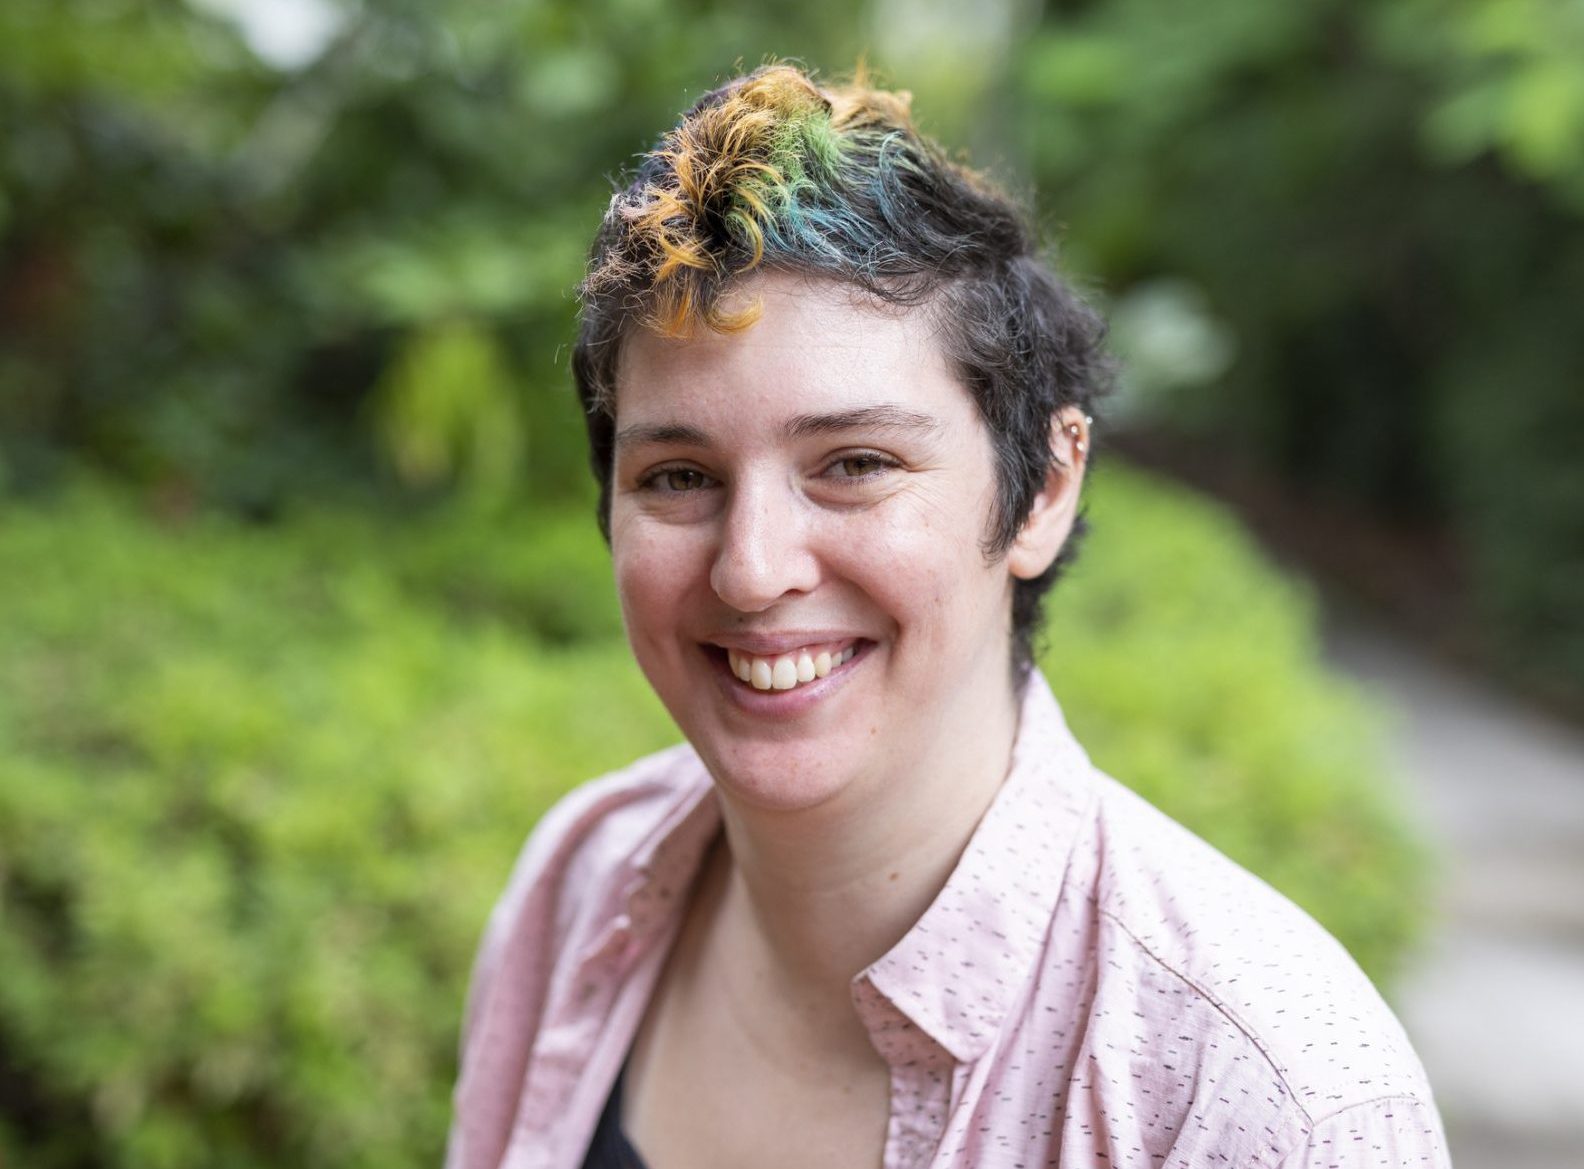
(659,480)
(656,480)
(879,464)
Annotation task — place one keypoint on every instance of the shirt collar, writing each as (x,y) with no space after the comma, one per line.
(957,973)
(662,868)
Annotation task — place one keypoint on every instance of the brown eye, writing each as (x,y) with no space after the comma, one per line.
(682,479)
(860,466)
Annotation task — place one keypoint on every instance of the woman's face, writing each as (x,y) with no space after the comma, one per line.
(804,503)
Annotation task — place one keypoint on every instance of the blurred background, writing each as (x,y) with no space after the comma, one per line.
(304,618)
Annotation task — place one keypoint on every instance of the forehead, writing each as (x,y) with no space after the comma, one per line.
(817,345)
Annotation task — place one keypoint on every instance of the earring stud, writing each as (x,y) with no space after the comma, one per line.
(1076,434)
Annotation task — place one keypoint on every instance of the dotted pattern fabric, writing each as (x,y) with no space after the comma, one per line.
(1094,986)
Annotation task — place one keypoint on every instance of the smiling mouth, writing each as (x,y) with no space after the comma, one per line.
(788,671)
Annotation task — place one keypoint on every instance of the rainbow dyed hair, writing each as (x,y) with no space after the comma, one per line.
(773,172)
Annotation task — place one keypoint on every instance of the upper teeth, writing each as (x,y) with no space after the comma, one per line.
(785,671)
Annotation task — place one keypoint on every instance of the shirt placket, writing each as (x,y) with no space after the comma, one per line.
(921,1079)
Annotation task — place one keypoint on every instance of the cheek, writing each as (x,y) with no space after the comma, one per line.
(930,578)
(653,578)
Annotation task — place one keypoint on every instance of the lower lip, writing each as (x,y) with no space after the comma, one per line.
(784,703)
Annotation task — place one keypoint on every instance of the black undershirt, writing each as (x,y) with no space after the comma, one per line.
(610,1148)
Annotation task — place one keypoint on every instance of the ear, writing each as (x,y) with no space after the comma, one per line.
(1050,520)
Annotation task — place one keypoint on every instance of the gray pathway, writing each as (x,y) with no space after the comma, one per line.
(1495,1003)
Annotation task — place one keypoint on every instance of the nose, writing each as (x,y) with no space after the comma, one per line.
(765,552)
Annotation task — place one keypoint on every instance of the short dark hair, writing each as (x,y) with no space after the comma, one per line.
(773,172)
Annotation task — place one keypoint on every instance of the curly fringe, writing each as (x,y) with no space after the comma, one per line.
(769,167)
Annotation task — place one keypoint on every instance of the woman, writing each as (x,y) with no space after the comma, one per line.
(879,909)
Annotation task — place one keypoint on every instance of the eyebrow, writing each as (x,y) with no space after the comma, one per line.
(885,418)
(665,433)
(894,419)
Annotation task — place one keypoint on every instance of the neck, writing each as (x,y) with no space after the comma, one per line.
(816,895)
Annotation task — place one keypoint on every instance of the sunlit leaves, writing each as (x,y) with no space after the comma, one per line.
(447,410)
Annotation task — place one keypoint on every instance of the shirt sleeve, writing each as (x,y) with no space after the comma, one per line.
(1394,1132)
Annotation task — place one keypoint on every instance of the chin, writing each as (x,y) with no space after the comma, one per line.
(776,777)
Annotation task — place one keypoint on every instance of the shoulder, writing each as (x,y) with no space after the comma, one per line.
(570,867)
(577,879)
(607,820)
(1388,1132)
(1251,991)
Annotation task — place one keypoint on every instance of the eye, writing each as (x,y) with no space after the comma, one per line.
(860,465)
(675,480)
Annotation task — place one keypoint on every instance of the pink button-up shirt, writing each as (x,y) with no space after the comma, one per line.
(1094,986)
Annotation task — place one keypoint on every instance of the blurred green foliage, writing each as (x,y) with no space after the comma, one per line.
(349,272)
(1377,213)
(259,785)
(252,284)
(256,792)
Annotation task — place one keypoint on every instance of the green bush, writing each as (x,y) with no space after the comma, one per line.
(259,786)
(1189,669)
(256,795)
